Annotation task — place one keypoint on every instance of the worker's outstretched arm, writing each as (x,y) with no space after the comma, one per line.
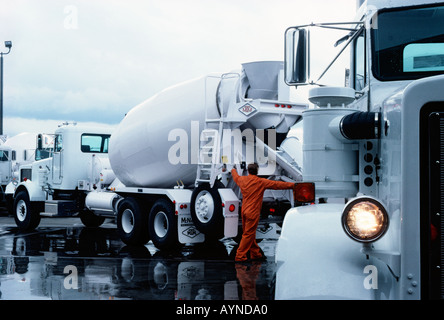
(278,185)
(235,175)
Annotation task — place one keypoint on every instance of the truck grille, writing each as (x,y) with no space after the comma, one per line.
(432,200)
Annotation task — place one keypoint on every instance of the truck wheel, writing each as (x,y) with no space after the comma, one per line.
(162,224)
(89,219)
(206,210)
(132,223)
(26,216)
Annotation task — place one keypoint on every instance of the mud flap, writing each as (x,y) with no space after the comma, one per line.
(231,217)
(187,231)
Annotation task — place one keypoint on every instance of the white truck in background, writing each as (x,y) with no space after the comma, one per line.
(70,163)
(14,152)
(378,145)
(165,174)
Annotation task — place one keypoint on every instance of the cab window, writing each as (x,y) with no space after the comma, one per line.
(4,156)
(408,43)
(58,144)
(359,63)
(95,143)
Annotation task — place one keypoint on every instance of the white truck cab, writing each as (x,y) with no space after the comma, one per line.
(374,151)
(58,185)
(16,151)
(5,165)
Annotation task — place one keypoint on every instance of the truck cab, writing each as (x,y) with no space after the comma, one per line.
(375,230)
(16,151)
(58,185)
(5,165)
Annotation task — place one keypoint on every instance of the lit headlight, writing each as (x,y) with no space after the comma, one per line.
(365,219)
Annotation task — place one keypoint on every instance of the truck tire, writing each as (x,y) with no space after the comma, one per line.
(162,224)
(132,223)
(26,215)
(206,210)
(89,219)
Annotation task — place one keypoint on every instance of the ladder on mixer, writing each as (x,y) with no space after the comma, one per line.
(209,156)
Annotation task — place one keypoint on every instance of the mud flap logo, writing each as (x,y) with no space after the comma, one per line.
(191,231)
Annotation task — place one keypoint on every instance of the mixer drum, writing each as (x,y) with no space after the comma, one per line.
(144,149)
(139,147)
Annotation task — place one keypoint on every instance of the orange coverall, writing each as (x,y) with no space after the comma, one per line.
(253,188)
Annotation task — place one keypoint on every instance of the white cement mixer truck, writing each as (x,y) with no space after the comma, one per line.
(172,155)
(377,145)
(166,177)
(17,151)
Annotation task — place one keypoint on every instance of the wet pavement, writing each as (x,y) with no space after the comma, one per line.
(62,260)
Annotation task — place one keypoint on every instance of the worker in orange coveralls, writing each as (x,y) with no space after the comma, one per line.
(253,188)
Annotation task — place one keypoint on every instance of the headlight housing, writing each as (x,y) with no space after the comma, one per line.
(365,219)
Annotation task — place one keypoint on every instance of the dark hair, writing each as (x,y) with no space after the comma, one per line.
(253,168)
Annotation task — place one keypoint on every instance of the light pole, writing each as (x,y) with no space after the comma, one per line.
(8,45)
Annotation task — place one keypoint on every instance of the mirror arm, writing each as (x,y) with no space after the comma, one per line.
(340,52)
(302,32)
(330,25)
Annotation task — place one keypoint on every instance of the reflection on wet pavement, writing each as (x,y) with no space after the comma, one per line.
(71,263)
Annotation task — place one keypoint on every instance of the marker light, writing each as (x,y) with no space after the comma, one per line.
(304,192)
(365,219)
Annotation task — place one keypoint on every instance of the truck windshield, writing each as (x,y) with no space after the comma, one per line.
(45,145)
(408,43)
(95,143)
(4,156)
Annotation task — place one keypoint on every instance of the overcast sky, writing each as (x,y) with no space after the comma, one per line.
(93,60)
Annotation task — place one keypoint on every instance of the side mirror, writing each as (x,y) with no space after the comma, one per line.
(38,150)
(297,65)
(39,142)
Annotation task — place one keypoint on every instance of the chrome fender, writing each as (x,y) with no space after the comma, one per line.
(317,260)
